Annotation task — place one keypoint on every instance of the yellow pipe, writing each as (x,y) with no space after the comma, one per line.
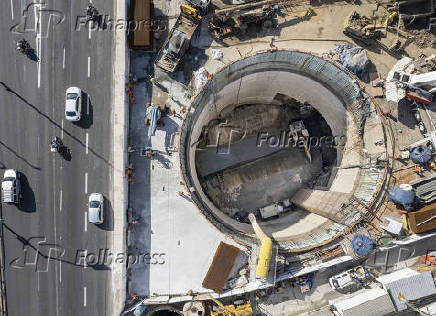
(265,254)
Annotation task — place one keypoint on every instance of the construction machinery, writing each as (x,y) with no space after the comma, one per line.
(300,135)
(237,19)
(243,309)
(179,39)
(362,28)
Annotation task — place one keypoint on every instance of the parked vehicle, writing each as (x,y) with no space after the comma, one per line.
(95,209)
(73,104)
(179,40)
(11,190)
(356,276)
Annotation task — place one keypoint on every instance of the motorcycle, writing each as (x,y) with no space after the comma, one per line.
(91,13)
(23,46)
(55,145)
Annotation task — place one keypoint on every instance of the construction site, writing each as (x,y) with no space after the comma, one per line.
(282,155)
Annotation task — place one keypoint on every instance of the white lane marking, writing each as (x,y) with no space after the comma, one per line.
(60,272)
(85,265)
(87,138)
(84,296)
(63,60)
(86,221)
(60,201)
(89,28)
(87,105)
(86,182)
(89,66)
(38,18)
(62,130)
(12,9)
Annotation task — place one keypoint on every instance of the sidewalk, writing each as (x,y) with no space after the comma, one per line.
(119,193)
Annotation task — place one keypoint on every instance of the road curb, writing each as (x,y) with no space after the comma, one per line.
(120,122)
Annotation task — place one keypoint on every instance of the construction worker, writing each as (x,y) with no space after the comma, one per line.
(152,80)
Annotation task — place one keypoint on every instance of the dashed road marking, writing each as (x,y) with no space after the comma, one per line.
(86,221)
(86,182)
(63,59)
(84,296)
(89,66)
(12,9)
(62,130)
(87,138)
(60,201)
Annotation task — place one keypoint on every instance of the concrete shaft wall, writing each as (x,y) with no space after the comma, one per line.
(257,80)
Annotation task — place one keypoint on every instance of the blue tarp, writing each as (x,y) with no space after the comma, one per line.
(403,197)
(354,58)
(362,245)
(420,154)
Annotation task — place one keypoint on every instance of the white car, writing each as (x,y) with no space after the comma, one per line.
(95,208)
(11,187)
(73,104)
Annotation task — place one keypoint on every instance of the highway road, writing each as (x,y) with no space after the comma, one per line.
(43,234)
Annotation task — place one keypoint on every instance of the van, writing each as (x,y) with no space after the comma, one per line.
(11,187)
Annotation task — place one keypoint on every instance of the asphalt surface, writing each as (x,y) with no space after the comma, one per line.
(43,234)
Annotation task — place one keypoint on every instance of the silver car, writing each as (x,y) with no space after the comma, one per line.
(73,104)
(95,208)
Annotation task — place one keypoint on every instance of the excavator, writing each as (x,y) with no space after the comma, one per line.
(231,310)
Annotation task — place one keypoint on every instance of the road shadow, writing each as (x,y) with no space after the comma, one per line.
(32,55)
(27,202)
(86,120)
(65,152)
(108,216)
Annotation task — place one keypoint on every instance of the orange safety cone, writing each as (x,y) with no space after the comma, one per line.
(132,100)
(182,109)
(129,93)
(174,112)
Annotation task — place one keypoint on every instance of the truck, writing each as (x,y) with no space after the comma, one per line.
(178,42)
(140,36)
(11,192)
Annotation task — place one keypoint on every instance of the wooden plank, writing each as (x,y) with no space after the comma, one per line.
(222,264)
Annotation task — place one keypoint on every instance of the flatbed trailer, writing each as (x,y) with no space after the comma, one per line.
(178,41)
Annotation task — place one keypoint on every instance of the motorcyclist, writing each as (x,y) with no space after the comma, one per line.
(23,45)
(91,12)
(55,144)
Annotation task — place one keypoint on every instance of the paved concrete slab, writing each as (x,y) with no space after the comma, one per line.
(171,228)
